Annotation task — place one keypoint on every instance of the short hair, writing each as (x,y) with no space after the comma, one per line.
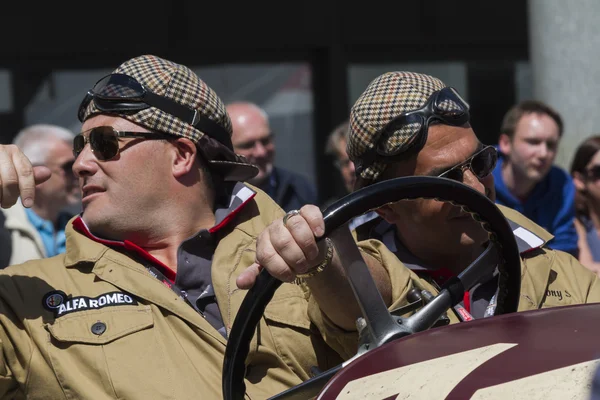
(33,140)
(340,132)
(514,115)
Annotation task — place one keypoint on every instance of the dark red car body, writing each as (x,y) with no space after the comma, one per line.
(542,354)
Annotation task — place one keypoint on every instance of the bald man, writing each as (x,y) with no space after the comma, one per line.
(252,138)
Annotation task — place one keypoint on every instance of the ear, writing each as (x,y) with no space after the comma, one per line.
(504,144)
(184,159)
(387,212)
(579,181)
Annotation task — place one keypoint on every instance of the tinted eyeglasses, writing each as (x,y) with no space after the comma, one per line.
(593,173)
(67,167)
(120,93)
(264,142)
(445,106)
(104,141)
(481,164)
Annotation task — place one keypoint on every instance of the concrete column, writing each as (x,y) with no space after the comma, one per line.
(565,60)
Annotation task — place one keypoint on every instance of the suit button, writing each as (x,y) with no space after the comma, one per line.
(98,328)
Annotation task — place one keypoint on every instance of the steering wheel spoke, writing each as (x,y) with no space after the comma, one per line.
(382,327)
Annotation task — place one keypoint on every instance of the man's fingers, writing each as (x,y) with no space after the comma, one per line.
(40,175)
(26,177)
(247,279)
(9,179)
(302,240)
(18,177)
(314,218)
(270,258)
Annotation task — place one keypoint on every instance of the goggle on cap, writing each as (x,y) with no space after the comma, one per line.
(373,119)
(164,82)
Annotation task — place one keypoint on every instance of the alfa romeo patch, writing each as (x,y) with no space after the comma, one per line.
(52,300)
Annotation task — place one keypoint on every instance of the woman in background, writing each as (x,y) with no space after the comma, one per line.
(585,171)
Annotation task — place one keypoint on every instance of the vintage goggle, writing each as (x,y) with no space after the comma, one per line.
(104,141)
(120,93)
(444,106)
(481,164)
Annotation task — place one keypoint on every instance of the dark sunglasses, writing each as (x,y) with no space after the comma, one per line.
(593,173)
(67,167)
(445,106)
(481,164)
(104,141)
(266,141)
(120,93)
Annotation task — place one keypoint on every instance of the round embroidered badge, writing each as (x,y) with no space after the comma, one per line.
(53,300)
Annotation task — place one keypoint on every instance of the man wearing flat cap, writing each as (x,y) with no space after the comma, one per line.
(410,124)
(141,304)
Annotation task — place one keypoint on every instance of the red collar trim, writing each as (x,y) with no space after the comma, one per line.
(245,195)
(82,228)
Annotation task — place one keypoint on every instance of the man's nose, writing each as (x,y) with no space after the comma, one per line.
(543,150)
(472,180)
(259,150)
(85,163)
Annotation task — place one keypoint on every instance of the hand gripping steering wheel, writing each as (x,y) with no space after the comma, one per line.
(502,253)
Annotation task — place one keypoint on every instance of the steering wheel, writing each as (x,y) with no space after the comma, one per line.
(336,216)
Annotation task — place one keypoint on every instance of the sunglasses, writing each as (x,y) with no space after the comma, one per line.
(593,173)
(481,164)
(104,141)
(67,167)
(264,142)
(445,106)
(122,94)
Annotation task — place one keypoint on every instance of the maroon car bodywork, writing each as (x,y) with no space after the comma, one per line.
(487,358)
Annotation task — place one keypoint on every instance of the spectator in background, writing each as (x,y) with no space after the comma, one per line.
(253,139)
(526,179)
(585,171)
(39,231)
(336,147)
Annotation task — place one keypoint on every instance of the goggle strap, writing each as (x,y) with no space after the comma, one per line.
(150,99)
(192,117)
(365,161)
(171,107)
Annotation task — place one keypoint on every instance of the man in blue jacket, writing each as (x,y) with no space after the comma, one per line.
(525,177)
